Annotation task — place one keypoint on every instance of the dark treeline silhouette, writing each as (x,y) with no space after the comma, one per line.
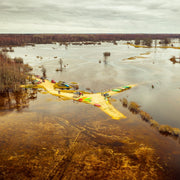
(24,39)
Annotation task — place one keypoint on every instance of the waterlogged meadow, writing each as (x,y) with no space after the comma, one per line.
(56,138)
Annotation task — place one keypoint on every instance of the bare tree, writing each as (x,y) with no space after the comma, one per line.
(61,64)
(43,71)
(106,54)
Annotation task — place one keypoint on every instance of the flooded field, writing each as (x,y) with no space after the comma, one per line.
(54,138)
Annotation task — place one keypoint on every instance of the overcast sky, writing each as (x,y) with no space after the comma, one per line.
(89,16)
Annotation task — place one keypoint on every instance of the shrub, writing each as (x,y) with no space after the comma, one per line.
(106,54)
(173,59)
(154,123)
(165,129)
(133,107)
(124,102)
(145,116)
(176,132)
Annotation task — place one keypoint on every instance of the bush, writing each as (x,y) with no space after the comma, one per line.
(176,132)
(133,107)
(124,102)
(107,54)
(145,116)
(173,60)
(154,123)
(165,129)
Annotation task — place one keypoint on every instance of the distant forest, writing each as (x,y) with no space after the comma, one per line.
(24,39)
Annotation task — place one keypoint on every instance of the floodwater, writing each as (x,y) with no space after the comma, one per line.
(61,139)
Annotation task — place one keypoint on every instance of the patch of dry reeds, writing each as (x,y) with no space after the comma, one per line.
(134,107)
(145,116)
(163,129)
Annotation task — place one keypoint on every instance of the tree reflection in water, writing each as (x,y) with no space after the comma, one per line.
(17,100)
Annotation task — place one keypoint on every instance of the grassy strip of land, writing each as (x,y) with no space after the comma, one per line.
(163,129)
(142,46)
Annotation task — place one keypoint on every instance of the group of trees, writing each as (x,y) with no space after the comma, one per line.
(148,41)
(24,39)
(13,73)
(165,41)
(145,42)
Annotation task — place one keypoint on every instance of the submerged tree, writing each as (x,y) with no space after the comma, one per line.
(106,54)
(43,71)
(13,73)
(165,41)
(61,64)
(147,42)
(137,41)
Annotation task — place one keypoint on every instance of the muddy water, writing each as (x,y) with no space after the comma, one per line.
(56,138)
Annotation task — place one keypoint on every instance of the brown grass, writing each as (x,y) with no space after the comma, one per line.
(140,46)
(144,154)
(141,163)
(147,53)
(135,57)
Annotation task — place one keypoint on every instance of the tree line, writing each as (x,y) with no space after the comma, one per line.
(13,73)
(25,39)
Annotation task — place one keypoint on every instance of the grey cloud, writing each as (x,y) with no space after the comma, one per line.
(85,16)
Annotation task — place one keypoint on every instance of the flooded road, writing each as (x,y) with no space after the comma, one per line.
(53,138)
